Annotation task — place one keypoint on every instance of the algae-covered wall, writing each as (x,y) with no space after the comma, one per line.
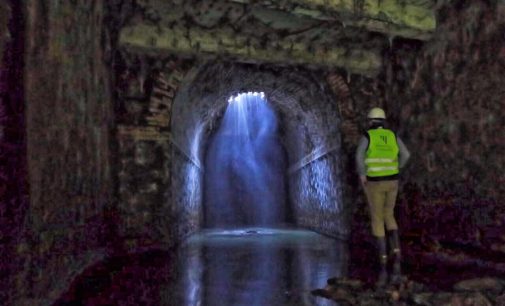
(410,14)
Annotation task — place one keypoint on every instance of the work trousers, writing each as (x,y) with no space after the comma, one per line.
(381,197)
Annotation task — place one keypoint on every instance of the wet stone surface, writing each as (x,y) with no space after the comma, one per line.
(255,266)
(247,266)
(476,292)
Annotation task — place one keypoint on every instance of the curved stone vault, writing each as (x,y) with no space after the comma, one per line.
(309,122)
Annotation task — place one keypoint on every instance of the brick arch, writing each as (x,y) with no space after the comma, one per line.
(309,120)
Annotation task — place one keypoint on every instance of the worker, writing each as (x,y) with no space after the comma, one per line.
(380,156)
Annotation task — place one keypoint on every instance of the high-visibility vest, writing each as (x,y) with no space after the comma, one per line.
(382,153)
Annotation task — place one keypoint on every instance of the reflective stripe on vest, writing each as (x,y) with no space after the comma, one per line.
(379,160)
(382,153)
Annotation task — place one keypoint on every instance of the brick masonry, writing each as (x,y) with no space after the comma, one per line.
(306,110)
(145,96)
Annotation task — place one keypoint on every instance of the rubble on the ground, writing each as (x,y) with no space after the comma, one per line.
(475,292)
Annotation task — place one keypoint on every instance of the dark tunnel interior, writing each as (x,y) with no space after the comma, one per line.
(204,152)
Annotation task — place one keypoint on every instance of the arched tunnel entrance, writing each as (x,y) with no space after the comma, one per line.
(308,133)
(257,180)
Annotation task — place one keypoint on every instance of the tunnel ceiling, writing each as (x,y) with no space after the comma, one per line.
(349,34)
(307,116)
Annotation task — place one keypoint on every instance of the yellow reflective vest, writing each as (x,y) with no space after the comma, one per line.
(382,153)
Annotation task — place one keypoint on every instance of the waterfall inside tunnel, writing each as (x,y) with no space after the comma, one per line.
(245,167)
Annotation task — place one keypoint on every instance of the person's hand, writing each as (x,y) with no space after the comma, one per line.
(363,180)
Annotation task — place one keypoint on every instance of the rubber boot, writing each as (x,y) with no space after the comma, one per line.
(394,242)
(383,259)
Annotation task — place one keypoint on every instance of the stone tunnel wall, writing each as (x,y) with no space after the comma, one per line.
(446,99)
(457,94)
(186,192)
(145,90)
(167,142)
(69,119)
(13,174)
(355,95)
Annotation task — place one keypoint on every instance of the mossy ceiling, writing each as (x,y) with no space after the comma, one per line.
(350,34)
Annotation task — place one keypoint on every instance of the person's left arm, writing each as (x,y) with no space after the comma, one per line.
(404,154)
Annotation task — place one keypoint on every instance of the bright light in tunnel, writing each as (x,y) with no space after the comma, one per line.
(240,97)
(244,182)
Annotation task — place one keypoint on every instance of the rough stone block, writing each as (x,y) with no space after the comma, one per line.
(142,133)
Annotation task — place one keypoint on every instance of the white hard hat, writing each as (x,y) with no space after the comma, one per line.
(376,113)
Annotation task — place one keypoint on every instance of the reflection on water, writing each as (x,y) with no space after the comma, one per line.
(255,267)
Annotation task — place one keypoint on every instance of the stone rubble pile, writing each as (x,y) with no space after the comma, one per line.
(472,292)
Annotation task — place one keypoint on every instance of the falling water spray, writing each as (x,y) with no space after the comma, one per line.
(245,166)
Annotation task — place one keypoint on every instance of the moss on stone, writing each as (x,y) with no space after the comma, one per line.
(224,42)
(409,15)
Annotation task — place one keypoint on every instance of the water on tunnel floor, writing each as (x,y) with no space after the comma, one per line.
(255,267)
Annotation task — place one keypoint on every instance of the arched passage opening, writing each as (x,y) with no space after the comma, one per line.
(309,129)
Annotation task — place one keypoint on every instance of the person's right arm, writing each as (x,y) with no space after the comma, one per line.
(360,159)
